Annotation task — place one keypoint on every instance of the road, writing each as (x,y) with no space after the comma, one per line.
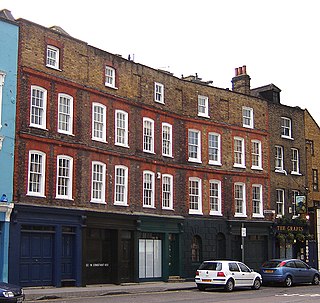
(296,294)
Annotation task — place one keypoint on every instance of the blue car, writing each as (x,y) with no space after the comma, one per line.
(288,272)
(11,293)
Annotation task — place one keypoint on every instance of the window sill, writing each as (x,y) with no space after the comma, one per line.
(120,204)
(286,137)
(215,163)
(110,86)
(36,195)
(282,171)
(149,206)
(194,160)
(98,202)
(195,212)
(256,168)
(203,116)
(64,198)
(122,145)
(240,215)
(214,213)
(38,126)
(99,140)
(257,216)
(53,67)
(239,166)
(295,173)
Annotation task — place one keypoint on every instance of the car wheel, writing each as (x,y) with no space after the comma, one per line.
(256,284)
(315,280)
(201,287)
(229,285)
(288,281)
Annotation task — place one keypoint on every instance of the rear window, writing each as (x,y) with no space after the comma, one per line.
(211,266)
(271,264)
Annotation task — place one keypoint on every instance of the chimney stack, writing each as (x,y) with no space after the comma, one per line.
(241,81)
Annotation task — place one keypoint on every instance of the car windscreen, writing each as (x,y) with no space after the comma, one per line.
(210,266)
(271,264)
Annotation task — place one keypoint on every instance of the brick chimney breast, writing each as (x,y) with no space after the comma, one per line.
(241,81)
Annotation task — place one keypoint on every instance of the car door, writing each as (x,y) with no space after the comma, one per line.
(302,271)
(247,275)
(236,273)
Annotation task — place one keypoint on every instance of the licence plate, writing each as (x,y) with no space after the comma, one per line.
(206,280)
(268,271)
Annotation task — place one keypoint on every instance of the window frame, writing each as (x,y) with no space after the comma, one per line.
(197,146)
(124,130)
(286,130)
(110,76)
(69,178)
(256,155)
(259,200)
(315,180)
(49,59)
(123,185)
(2,78)
(42,110)
(166,141)
(205,106)
(218,211)
(165,192)
(295,161)
(102,181)
(148,138)
(151,197)
(159,92)
(239,153)
(279,158)
(294,193)
(198,210)
(280,202)
(241,199)
(215,148)
(41,174)
(103,123)
(69,116)
(246,118)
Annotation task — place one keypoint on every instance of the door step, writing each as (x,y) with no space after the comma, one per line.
(173,279)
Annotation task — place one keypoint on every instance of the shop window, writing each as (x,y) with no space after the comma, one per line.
(150,261)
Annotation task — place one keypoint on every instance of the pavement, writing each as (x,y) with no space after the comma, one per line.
(46,293)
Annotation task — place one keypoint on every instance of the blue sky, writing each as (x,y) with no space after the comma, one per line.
(276,39)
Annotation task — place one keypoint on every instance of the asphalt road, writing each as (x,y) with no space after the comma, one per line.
(305,293)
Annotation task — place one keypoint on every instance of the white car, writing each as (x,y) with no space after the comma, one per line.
(227,274)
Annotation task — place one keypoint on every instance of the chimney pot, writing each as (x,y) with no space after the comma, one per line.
(244,69)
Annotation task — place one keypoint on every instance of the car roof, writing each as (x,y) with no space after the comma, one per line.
(222,261)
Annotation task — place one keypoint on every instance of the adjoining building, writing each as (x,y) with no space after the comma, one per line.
(8,88)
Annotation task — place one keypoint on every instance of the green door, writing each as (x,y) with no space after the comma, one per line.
(173,255)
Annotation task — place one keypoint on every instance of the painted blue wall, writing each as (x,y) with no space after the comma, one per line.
(8,65)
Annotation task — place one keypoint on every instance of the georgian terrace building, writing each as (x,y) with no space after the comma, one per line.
(127,173)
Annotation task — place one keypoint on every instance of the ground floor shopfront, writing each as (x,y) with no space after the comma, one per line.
(64,247)
(208,239)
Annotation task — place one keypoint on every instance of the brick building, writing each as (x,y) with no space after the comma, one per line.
(288,175)
(126,173)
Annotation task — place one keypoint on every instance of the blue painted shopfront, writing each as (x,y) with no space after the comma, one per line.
(47,250)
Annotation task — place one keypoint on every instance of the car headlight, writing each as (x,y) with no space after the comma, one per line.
(8,294)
